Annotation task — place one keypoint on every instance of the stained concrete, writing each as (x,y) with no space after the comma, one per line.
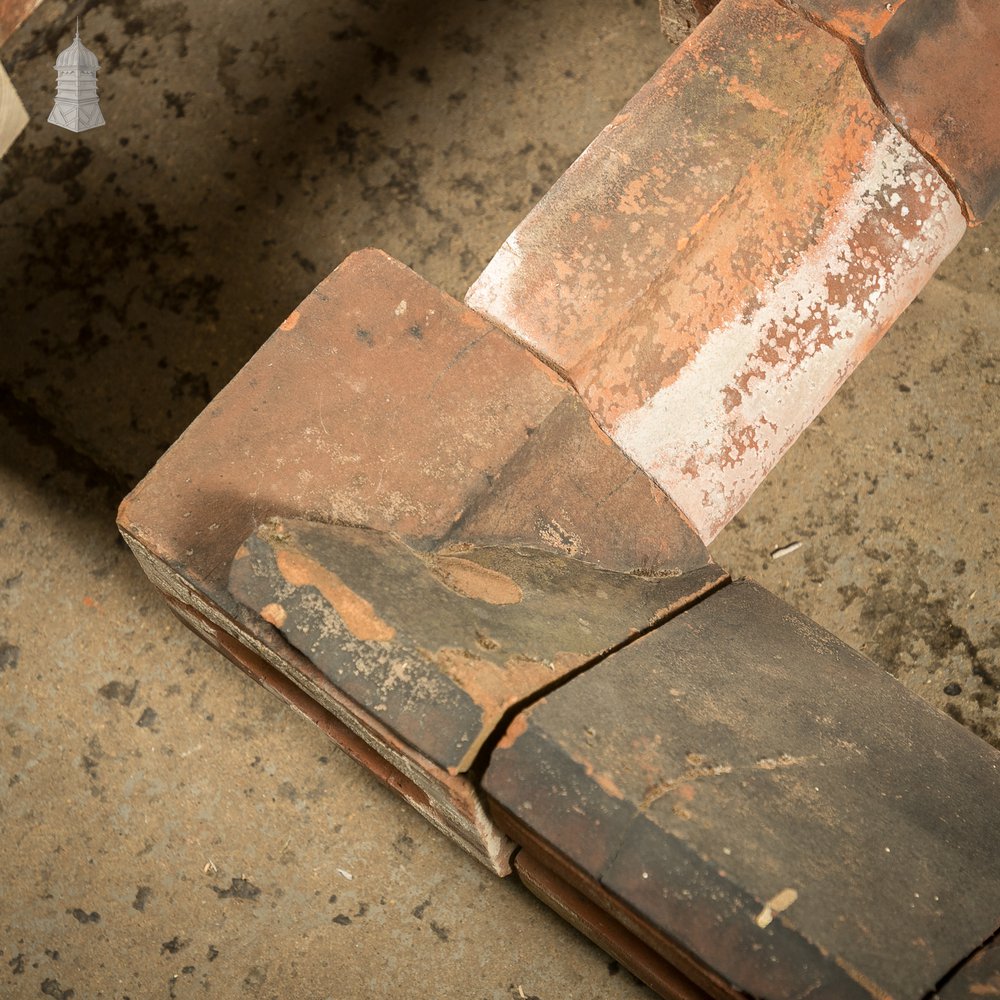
(167,828)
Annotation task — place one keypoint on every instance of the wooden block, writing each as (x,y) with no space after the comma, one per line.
(383,403)
(724,254)
(746,793)
(13,117)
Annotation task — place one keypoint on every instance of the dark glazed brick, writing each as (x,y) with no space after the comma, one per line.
(801,819)
(440,645)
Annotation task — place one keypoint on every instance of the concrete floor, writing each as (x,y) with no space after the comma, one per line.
(169,829)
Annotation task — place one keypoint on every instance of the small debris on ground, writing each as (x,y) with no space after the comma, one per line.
(774,906)
(785,550)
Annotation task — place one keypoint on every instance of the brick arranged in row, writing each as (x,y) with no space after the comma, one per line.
(410,528)
(398,520)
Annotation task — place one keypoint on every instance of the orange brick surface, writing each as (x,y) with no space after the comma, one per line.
(723,255)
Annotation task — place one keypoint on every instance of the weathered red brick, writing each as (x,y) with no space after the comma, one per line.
(853,20)
(441,645)
(936,66)
(724,254)
(381,402)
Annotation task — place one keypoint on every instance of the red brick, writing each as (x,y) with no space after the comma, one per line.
(853,20)
(381,402)
(724,254)
(936,67)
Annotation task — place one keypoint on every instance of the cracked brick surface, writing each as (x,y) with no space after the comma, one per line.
(743,789)
(440,645)
(382,402)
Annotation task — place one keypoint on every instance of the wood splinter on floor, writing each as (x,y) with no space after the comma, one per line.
(777,904)
(785,550)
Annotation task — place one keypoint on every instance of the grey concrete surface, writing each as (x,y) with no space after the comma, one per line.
(167,829)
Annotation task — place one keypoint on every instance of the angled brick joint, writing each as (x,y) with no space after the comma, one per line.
(468,540)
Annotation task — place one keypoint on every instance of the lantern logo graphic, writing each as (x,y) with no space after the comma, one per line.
(76,106)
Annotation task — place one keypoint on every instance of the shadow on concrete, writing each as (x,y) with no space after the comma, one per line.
(141,264)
